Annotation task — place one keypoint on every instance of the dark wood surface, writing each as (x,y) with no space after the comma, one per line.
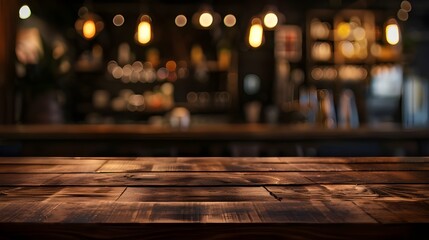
(214,198)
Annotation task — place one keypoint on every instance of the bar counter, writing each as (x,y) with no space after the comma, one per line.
(204,132)
(214,198)
(141,139)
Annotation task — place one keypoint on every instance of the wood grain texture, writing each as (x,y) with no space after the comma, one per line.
(396,211)
(174,179)
(263,164)
(322,212)
(370,160)
(196,194)
(56,160)
(214,198)
(351,192)
(31,179)
(392,177)
(26,194)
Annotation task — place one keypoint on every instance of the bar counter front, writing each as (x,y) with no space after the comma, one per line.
(214,198)
(237,140)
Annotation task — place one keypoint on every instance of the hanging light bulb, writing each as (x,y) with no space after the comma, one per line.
(89,25)
(89,29)
(392,32)
(270,20)
(256,33)
(206,19)
(272,17)
(144,30)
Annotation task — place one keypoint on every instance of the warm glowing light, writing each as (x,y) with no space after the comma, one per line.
(118,20)
(392,34)
(343,30)
(347,49)
(144,32)
(229,20)
(256,33)
(89,25)
(24,12)
(89,29)
(406,6)
(271,20)
(206,20)
(402,15)
(171,66)
(359,33)
(180,20)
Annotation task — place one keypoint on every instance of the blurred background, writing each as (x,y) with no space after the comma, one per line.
(131,61)
(328,63)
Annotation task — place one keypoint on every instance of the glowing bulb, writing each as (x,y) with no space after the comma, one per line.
(180,20)
(229,20)
(24,12)
(271,20)
(406,6)
(89,29)
(206,19)
(392,34)
(144,33)
(256,34)
(118,20)
(402,15)
(343,30)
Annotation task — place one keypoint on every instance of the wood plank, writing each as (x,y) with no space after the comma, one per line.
(389,167)
(242,166)
(59,194)
(34,179)
(139,166)
(322,192)
(329,160)
(351,192)
(54,160)
(126,166)
(195,194)
(132,166)
(49,168)
(392,177)
(396,211)
(26,194)
(198,160)
(359,167)
(321,212)
(401,192)
(213,178)
(173,179)
(86,194)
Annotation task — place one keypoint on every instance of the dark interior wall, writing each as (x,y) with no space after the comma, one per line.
(8,12)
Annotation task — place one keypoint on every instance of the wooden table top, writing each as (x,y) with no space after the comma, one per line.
(214,198)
